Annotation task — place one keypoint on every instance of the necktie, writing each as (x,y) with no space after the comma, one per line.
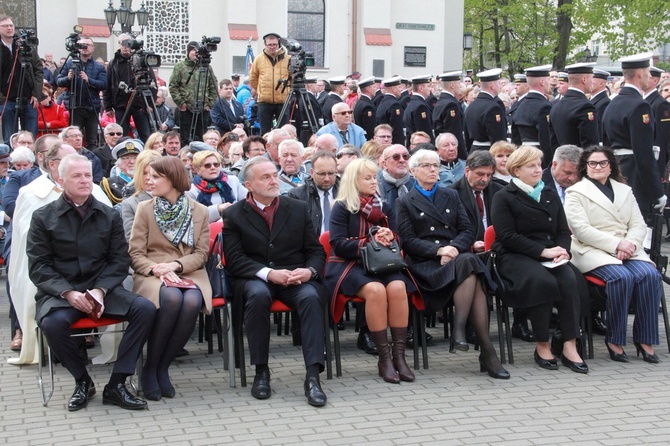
(563,195)
(480,203)
(326,210)
(345,140)
(232,109)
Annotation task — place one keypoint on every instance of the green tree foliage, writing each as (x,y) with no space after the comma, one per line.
(513,34)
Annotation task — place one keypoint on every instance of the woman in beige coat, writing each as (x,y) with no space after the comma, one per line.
(169,242)
(608,231)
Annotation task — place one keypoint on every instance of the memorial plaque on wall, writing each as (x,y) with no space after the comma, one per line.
(22,13)
(415,56)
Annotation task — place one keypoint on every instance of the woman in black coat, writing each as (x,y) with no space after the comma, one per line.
(437,237)
(532,237)
(357,209)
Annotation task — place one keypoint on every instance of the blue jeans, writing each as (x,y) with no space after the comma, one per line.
(28,119)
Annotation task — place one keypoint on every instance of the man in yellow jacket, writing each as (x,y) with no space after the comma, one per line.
(267,69)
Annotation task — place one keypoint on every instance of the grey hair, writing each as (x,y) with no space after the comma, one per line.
(567,152)
(284,145)
(420,154)
(441,136)
(70,159)
(246,169)
(480,158)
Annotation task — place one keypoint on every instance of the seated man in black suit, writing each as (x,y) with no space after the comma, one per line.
(77,244)
(273,252)
(476,191)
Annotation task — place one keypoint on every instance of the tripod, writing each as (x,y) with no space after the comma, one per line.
(21,101)
(75,101)
(149,104)
(298,98)
(199,99)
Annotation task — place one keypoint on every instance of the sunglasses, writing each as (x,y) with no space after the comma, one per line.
(233,137)
(341,154)
(114,134)
(210,165)
(349,112)
(397,157)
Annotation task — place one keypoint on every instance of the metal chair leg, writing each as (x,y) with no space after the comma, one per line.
(40,381)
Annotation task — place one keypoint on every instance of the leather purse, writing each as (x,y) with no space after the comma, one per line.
(379,260)
(216,271)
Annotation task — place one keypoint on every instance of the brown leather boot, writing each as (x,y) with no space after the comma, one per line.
(386,368)
(399,338)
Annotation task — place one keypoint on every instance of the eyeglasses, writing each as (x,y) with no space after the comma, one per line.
(341,154)
(114,134)
(9,25)
(397,156)
(348,112)
(384,136)
(233,137)
(429,166)
(666,90)
(210,165)
(602,164)
(325,174)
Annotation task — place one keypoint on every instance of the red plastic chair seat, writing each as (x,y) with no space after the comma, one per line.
(594,280)
(87,323)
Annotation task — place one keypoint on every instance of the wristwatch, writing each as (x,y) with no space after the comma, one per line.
(315,275)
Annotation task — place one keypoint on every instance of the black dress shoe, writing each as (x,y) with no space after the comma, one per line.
(410,337)
(548,364)
(598,326)
(315,395)
(120,396)
(183,352)
(365,343)
(614,356)
(578,367)
(261,388)
(497,371)
(521,331)
(83,391)
(458,344)
(647,357)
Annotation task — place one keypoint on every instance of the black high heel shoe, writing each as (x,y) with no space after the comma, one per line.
(647,357)
(497,373)
(619,357)
(458,345)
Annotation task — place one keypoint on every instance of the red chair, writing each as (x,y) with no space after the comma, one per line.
(337,310)
(86,324)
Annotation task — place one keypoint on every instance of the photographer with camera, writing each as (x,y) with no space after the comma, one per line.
(268,70)
(91,80)
(20,79)
(122,83)
(227,113)
(192,85)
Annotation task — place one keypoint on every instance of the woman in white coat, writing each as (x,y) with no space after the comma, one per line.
(608,231)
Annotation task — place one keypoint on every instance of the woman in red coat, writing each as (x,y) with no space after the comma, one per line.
(51,115)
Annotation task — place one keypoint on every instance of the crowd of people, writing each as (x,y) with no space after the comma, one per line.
(566,182)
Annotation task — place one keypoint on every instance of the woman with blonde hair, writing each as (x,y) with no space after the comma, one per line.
(155,142)
(356,210)
(501,150)
(140,189)
(373,150)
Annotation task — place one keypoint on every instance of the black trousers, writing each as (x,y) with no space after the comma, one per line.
(267,113)
(140,119)
(87,120)
(56,328)
(303,298)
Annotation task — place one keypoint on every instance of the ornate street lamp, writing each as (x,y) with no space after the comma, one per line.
(126,17)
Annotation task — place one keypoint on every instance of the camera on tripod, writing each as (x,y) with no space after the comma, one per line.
(27,42)
(297,64)
(207,46)
(72,45)
(141,61)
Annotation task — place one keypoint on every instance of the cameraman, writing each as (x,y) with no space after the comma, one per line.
(227,113)
(92,80)
(266,71)
(120,87)
(184,94)
(10,68)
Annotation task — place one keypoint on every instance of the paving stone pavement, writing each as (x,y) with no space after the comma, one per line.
(450,403)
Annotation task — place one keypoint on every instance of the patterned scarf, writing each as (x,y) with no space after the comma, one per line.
(175,220)
(371,209)
(207,187)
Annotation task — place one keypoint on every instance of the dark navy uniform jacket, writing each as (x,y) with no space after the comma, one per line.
(418,117)
(485,120)
(365,115)
(531,121)
(573,120)
(389,112)
(448,118)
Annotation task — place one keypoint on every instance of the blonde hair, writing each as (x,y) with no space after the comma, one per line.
(200,157)
(153,139)
(521,156)
(502,147)
(145,158)
(371,149)
(348,192)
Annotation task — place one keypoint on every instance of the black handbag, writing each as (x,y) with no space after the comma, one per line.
(216,271)
(379,260)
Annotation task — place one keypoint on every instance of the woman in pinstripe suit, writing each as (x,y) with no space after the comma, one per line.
(608,231)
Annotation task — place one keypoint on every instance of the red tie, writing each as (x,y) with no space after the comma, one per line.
(480,203)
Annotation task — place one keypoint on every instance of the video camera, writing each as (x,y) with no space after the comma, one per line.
(142,62)
(297,64)
(27,42)
(207,46)
(72,45)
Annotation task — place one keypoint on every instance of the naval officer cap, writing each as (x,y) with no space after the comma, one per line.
(127,147)
(520,78)
(539,71)
(378,80)
(601,74)
(656,72)
(339,80)
(311,79)
(405,81)
(450,76)
(562,76)
(366,82)
(642,60)
(425,79)
(392,81)
(580,68)
(199,146)
(490,75)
